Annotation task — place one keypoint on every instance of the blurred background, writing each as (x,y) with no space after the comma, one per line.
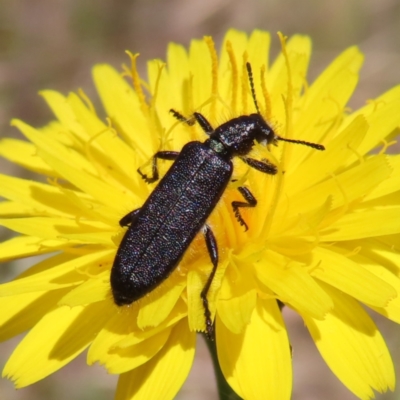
(52,44)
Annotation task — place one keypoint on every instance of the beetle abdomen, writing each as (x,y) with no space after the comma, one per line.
(168,222)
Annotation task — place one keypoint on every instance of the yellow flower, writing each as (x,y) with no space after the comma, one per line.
(323,239)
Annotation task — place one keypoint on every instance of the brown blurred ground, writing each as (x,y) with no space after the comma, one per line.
(54,43)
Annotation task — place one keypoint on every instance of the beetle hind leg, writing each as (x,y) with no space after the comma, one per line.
(130,218)
(213,252)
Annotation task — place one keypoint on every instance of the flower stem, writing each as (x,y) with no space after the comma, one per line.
(224,390)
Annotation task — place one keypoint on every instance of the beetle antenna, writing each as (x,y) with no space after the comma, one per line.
(253,95)
(315,146)
(253,90)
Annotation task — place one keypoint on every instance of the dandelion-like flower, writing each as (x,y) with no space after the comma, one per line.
(322,240)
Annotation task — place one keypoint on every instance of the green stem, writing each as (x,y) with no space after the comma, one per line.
(224,390)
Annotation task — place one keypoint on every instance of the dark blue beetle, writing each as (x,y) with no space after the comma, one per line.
(162,229)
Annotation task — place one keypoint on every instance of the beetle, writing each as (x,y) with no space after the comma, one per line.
(160,232)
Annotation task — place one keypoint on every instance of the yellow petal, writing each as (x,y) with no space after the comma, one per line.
(23,153)
(364,224)
(326,98)
(352,347)
(24,246)
(155,309)
(237,300)
(346,275)
(178,71)
(121,345)
(236,312)
(200,68)
(389,185)
(75,168)
(293,285)
(379,260)
(123,108)
(56,277)
(53,146)
(330,161)
(9,209)
(56,228)
(382,117)
(123,360)
(95,289)
(196,280)
(105,148)
(58,338)
(42,199)
(163,375)
(258,50)
(298,50)
(120,325)
(257,362)
(22,311)
(345,187)
(64,113)
(239,40)
(195,305)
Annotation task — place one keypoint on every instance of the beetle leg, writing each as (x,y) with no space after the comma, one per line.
(130,218)
(180,117)
(200,118)
(204,124)
(213,252)
(251,201)
(262,166)
(163,155)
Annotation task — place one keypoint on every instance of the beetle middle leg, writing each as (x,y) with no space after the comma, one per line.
(213,252)
(163,155)
(251,201)
(262,166)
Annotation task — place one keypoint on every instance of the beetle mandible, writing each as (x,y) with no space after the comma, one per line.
(160,232)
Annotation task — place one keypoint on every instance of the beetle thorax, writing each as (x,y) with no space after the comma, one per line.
(238,135)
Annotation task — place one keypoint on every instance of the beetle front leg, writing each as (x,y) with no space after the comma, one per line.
(262,166)
(200,118)
(204,124)
(163,155)
(180,117)
(251,201)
